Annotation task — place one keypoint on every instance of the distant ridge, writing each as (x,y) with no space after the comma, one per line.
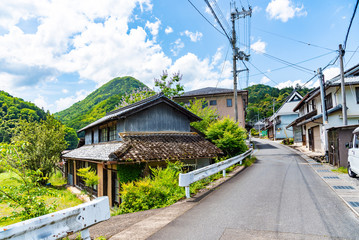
(97,103)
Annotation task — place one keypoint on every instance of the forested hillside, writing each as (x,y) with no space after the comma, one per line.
(11,110)
(100,101)
(260,100)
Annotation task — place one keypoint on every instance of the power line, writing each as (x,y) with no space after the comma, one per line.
(352,56)
(224,63)
(303,69)
(263,73)
(350,24)
(295,40)
(206,19)
(307,60)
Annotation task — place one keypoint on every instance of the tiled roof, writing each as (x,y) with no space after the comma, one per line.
(207,91)
(141,147)
(138,106)
(100,151)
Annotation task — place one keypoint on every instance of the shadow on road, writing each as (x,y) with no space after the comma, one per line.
(265,146)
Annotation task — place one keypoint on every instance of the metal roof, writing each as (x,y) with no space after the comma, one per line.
(208,91)
(139,106)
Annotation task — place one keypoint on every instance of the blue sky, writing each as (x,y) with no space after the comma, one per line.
(54,53)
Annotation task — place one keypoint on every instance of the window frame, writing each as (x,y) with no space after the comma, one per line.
(213,102)
(357,94)
(229,102)
(328,101)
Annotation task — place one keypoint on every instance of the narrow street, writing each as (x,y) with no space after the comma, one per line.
(279,197)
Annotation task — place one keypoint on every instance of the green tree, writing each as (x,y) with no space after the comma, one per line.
(89,176)
(71,138)
(170,87)
(26,196)
(46,141)
(208,114)
(228,136)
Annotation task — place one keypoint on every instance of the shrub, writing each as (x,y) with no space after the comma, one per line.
(288,141)
(228,136)
(160,191)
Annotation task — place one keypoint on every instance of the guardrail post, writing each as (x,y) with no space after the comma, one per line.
(224,172)
(188,193)
(85,234)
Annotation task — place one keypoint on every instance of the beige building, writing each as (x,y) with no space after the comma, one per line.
(221,99)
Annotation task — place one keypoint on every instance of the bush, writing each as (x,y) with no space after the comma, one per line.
(288,141)
(254,132)
(160,191)
(228,136)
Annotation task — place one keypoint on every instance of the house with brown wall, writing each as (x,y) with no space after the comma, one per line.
(141,135)
(221,99)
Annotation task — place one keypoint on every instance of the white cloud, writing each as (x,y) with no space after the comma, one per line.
(265,80)
(289,83)
(42,102)
(66,102)
(256,9)
(65,91)
(168,30)
(284,10)
(259,46)
(329,73)
(154,27)
(177,46)
(195,37)
(90,41)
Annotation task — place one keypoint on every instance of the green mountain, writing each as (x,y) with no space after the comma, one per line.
(11,110)
(260,100)
(98,103)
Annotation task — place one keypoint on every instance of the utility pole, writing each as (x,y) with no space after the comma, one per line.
(273,121)
(324,111)
(342,86)
(240,55)
(234,40)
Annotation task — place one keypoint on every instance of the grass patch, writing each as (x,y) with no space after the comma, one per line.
(340,170)
(249,161)
(63,197)
(57,180)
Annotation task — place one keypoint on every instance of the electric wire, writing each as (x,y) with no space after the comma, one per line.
(224,63)
(295,40)
(351,56)
(307,60)
(263,73)
(207,19)
(350,24)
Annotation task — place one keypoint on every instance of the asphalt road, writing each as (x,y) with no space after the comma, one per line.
(279,197)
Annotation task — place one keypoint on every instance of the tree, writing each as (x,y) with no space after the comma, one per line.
(228,136)
(135,96)
(26,196)
(166,85)
(45,142)
(71,138)
(208,114)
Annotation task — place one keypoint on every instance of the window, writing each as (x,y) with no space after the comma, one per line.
(92,137)
(112,132)
(213,102)
(328,101)
(313,105)
(229,102)
(204,104)
(357,93)
(104,134)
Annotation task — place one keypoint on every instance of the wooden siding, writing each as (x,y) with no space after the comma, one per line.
(157,118)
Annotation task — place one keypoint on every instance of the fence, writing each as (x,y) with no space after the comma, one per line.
(60,224)
(188,178)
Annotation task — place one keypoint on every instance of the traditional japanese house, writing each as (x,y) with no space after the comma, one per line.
(132,139)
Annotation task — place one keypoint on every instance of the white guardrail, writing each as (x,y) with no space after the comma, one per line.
(60,224)
(185,179)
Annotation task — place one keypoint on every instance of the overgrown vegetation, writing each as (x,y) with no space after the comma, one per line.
(288,141)
(129,173)
(44,144)
(208,114)
(340,170)
(89,176)
(25,198)
(254,132)
(228,136)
